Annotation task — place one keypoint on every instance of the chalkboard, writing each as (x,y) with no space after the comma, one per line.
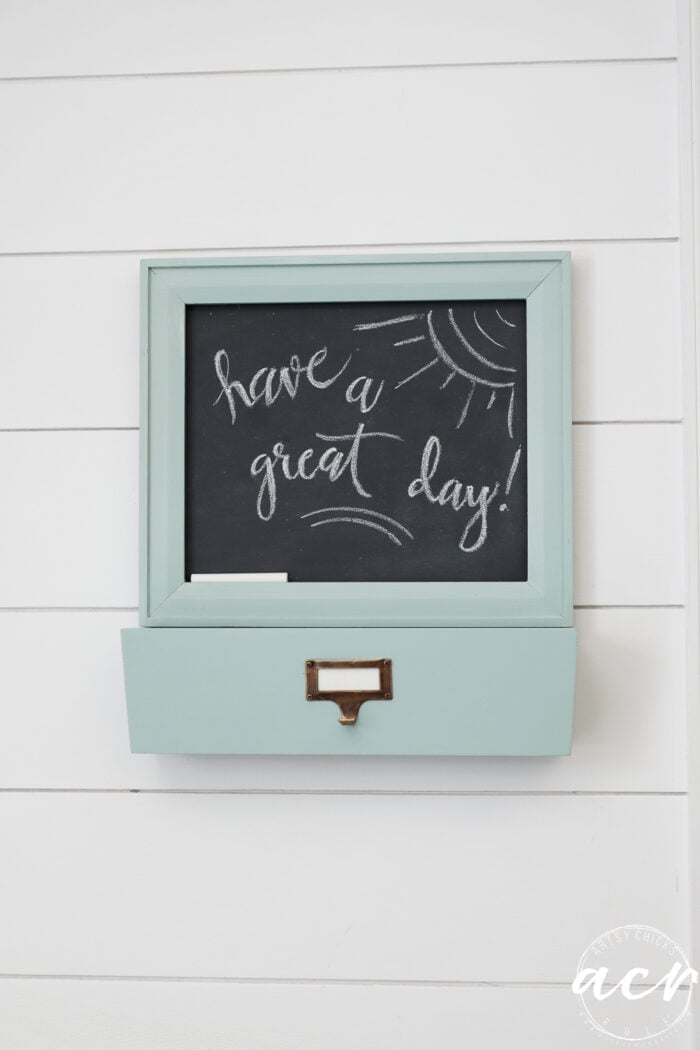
(357,441)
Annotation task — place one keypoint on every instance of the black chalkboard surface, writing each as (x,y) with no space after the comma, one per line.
(357,441)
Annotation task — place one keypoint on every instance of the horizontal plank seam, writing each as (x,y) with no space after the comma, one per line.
(621,422)
(657,605)
(400,67)
(68,430)
(354,981)
(69,608)
(134,609)
(330,249)
(361,792)
(134,429)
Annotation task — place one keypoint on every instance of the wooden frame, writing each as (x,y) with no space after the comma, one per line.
(169,285)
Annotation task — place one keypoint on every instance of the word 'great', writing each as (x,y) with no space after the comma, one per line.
(332,462)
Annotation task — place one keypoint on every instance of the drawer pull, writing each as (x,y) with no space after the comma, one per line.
(349,683)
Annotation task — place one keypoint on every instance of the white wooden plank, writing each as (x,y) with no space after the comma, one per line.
(383,157)
(91,36)
(629,536)
(69,328)
(626,332)
(71,539)
(69,533)
(63,722)
(69,367)
(331,886)
(114,1015)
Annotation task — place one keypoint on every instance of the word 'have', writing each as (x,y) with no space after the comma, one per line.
(268,383)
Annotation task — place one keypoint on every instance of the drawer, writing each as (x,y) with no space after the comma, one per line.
(456,691)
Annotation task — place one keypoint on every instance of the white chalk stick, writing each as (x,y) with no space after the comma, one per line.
(238,577)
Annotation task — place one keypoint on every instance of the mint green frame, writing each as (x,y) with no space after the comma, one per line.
(169,285)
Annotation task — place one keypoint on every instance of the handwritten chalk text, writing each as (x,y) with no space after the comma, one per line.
(456,493)
(268,383)
(332,462)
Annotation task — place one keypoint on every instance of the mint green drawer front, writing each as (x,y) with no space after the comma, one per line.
(457,691)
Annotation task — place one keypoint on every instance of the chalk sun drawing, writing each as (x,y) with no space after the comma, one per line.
(479,357)
(452,348)
(501,318)
(486,334)
(413,339)
(382,324)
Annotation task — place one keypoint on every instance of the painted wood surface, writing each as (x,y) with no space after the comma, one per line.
(626,553)
(63,1014)
(340,159)
(335,887)
(242,690)
(155,37)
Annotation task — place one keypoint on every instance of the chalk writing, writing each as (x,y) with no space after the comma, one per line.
(268,383)
(359,392)
(415,416)
(332,462)
(455,493)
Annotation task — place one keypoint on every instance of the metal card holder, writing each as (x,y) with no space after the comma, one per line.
(349,701)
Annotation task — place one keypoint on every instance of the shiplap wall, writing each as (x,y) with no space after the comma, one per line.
(330,904)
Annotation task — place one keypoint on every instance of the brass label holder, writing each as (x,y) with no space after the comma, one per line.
(349,701)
